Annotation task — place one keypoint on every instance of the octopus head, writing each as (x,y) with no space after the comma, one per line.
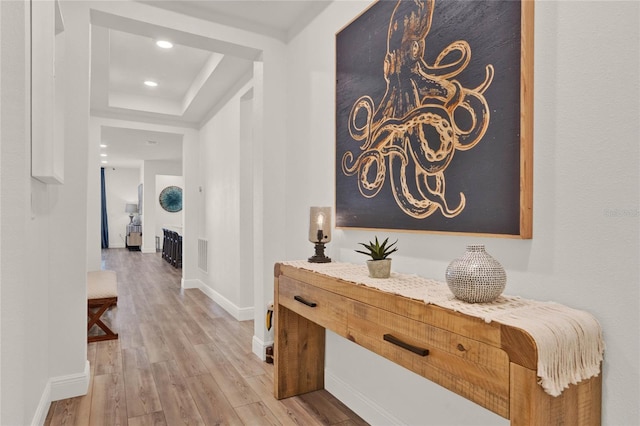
(408,28)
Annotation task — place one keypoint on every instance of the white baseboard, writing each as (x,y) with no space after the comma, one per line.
(259,347)
(191,283)
(70,386)
(43,406)
(369,410)
(61,387)
(240,314)
(245,314)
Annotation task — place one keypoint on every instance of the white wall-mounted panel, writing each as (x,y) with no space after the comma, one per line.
(47,101)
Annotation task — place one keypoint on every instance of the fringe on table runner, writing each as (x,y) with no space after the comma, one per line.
(569,342)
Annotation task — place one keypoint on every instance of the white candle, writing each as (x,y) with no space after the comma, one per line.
(320,220)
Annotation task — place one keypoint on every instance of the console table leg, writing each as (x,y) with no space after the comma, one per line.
(578,405)
(298,354)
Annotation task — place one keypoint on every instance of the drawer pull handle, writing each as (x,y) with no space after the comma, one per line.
(391,339)
(306,302)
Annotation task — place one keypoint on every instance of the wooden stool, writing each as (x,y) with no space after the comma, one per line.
(102,293)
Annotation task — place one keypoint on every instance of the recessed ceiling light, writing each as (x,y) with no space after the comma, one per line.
(103,155)
(103,145)
(164,44)
(104,162)
(150,83)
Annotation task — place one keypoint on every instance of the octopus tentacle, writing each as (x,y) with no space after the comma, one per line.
(432,140)
(489,73)
(424,206)
(475,105)
(439,192)
(451,69)
(418,209)
(349,166)
(371,160)
(361,132)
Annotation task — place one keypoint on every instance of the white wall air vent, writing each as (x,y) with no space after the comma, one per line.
(152,142)
(203,247)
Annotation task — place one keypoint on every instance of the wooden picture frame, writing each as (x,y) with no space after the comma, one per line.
(434,118)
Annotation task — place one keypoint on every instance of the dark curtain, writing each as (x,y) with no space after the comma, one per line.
(105,224)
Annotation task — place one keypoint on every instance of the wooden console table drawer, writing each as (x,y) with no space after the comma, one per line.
(472,369)
(320,306)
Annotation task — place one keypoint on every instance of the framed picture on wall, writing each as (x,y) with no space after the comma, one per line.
(434,104)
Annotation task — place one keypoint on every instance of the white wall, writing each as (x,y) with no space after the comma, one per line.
(164,218)
(269,133)
(94,203)
(42,234)
(245,201)
(24,236)
(585,248)
(68,203)
(226,184)
(121,184)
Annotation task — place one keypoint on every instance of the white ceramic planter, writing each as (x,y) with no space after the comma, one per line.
(379,268)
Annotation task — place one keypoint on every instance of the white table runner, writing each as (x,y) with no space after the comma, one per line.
(569,341)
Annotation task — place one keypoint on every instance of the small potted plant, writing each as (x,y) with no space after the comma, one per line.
(379,265)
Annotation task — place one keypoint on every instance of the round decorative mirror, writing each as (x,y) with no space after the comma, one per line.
(171,199)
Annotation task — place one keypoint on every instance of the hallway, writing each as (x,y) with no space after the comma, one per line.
(181,359)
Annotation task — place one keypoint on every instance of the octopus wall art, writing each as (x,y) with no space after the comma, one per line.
(415,98)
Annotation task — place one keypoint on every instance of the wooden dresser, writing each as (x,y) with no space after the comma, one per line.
(491,364)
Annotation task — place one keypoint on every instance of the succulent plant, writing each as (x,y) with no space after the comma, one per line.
(378,251)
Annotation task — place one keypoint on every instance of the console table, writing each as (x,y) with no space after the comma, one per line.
(489,363)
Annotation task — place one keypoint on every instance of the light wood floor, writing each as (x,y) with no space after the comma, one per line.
(181,360)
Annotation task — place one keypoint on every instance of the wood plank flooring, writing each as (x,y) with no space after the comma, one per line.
(181,360)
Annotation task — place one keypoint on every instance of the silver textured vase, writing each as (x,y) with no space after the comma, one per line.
(476,277)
